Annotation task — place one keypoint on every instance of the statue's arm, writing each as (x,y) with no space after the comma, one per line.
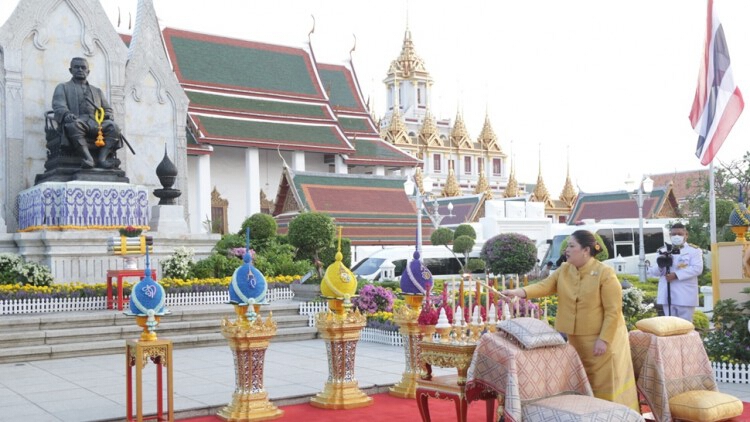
(60,103)
(108,112)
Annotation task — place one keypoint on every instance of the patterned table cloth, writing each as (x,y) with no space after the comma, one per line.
(525,375)
(667,366)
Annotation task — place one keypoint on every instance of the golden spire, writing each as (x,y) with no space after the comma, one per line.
(482,185)
(428,134)
(568,195)
(418,180)
(511,190)
(451,187)
(459,135)
(487,138)
(540,192)
(408,62)
(397,133)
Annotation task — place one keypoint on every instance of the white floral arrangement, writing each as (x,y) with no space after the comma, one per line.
(178,265)
(632,303)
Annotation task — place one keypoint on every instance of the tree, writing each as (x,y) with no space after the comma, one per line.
(509,253)
(262,230)
(463,240)
(310,232)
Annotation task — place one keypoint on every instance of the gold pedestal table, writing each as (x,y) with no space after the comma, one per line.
(137,354)
(340,328)
(248,339)
(406,318)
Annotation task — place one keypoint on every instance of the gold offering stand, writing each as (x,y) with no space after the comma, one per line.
(248,338)
(453,350)
(406,317)
(341,328)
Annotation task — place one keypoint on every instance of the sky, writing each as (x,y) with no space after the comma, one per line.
(604,86)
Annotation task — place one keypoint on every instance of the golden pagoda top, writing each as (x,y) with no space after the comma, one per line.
(511,189)
(418,179)
(487,138)
(429,135)
(408,64)
(540,192)
(482,185)
(451,187)
(459,135)
(568,194)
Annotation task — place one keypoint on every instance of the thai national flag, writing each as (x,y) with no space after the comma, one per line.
(718,101)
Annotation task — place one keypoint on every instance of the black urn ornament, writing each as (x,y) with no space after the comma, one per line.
(166,171)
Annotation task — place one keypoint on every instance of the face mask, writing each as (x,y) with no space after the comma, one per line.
(678,240)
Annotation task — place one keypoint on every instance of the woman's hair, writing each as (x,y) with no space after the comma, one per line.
(587,240)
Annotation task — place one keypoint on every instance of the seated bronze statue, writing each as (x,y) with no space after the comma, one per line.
(83,115)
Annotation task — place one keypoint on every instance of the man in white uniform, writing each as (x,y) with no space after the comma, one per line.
(678,283)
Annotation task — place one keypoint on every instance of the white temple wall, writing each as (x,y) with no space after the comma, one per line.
(150,119)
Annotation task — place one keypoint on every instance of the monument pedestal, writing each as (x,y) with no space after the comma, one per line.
(341,331)
(406,317)
(168,219)
(249,341)
(82,205)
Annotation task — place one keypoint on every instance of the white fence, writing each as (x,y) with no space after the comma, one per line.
(738,373)
(391,338)
(33,306)
(311,309)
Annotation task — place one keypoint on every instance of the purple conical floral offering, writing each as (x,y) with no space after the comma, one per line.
(416,277)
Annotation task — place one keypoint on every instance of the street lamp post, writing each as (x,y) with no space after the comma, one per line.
(411,188)
(644,191)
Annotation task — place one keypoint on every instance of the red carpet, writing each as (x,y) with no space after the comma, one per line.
(384,408)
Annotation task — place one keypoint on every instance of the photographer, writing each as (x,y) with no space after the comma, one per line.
(678,267)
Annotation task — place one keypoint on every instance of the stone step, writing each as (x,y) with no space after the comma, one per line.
(113,332)
(25,353)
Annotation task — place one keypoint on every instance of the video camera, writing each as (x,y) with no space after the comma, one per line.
(664,260)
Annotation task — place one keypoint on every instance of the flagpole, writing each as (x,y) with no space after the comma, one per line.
(712,203)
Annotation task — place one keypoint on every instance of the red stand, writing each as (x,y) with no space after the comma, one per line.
(446,387)
(120,274)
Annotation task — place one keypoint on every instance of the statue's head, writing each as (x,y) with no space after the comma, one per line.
(79,68)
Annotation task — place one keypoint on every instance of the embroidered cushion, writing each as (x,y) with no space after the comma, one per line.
(531,332)
(704,406)
(578,408)
(663,326)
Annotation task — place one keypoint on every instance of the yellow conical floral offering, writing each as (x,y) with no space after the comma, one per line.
(338,282)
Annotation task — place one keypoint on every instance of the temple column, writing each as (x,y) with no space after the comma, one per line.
(252,181)
(340,166)
(298,160)
(202,203)
(379,170)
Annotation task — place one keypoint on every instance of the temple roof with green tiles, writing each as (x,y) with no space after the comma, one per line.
(216,61)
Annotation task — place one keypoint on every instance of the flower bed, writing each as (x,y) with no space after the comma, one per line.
(19,299)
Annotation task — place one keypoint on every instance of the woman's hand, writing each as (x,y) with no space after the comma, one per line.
(600,347)
(515,293)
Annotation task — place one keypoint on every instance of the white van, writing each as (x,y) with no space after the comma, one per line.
(621,239)
(438,259)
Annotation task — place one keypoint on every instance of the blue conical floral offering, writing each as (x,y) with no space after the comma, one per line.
(247,282)
(147,296)
(416,277)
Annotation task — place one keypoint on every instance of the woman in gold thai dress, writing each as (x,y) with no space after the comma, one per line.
(589,312)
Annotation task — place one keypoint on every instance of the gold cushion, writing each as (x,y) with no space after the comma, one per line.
(704,406)
(663,326)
